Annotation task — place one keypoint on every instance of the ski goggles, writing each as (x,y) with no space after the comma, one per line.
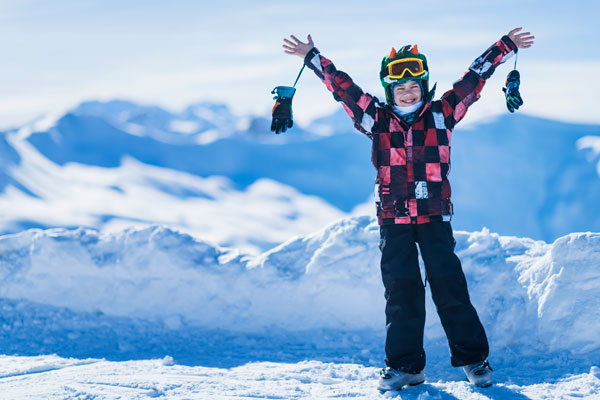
(400,68)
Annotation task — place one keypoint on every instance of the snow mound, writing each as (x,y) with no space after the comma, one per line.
(528,293)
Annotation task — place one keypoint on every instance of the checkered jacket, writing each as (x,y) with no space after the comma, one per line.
(412,161)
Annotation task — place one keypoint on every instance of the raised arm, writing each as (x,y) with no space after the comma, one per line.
(360,106)
(467,90)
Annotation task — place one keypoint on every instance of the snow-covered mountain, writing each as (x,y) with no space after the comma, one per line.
(158,293)
(197,124)
(94,135)
(108,165)
(526,176)
(39,192)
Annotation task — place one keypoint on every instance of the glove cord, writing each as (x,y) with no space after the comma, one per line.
(302,69)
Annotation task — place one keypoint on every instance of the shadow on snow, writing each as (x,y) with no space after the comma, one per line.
(29,329)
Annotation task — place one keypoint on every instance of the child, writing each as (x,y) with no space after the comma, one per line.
(411,151)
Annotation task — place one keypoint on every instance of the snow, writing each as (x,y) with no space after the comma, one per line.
(528,291)
(168,277)
(184,126)
(302,320)
(162,125)
(255,219)
(306,379)
(591,143)
(72,379)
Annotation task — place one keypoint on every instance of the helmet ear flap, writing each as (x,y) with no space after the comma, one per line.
(389,95)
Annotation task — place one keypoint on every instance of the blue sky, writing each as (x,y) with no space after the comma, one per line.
(56,54)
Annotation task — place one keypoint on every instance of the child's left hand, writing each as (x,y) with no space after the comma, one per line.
(522,40)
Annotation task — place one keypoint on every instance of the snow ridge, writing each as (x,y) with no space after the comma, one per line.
(528,293)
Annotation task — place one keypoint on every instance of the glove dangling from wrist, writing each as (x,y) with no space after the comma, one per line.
(511,91)
(282,110)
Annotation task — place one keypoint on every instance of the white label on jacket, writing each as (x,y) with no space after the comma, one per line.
(507,56)
(316,61)
(367,122)
(482,69)
(438,118)
(421,190)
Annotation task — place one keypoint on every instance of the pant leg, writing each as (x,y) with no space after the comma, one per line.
(465,333)
(405,298)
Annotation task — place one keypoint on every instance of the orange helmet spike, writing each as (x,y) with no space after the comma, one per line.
(393,53)
(415,49)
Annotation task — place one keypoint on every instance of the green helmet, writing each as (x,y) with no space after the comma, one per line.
(413,67)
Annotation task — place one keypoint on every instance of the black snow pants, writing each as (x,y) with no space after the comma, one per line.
(405,296)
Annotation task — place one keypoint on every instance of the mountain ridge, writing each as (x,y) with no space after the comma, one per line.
(516,174)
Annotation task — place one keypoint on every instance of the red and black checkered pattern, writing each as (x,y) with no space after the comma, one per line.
(412,161)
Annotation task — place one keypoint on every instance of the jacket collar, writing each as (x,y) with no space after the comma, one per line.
(428,100)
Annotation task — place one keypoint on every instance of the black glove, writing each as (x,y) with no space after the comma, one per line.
(282,110)
(511,91)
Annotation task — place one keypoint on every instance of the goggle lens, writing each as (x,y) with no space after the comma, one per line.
(398,69)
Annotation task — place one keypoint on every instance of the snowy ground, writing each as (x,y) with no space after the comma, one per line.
(51,377)
(156,313)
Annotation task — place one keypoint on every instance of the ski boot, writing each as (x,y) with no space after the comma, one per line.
(393,379)
(479,373)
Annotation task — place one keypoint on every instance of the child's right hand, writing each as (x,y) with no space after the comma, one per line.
(297,47)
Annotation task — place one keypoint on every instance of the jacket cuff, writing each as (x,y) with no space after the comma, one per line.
(510,45)
(310,55)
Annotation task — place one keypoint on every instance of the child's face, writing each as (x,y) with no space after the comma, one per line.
(407,93)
